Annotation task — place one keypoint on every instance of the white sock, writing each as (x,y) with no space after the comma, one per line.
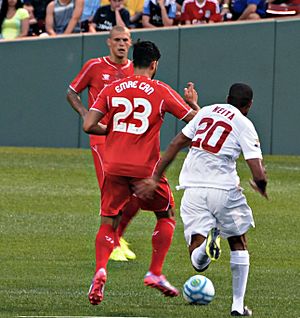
(239,264)
(199,257)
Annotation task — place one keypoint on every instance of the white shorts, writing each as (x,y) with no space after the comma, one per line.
(204,208)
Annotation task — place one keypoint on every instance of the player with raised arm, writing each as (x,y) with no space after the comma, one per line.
(213,197)
(95,74)
(135,108)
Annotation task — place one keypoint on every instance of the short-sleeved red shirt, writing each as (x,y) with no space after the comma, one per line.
(135,109)
(195,12)
(95,75)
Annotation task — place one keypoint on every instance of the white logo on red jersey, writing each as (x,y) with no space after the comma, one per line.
(105,77)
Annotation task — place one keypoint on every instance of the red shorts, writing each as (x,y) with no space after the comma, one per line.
(117,190)
(98,152)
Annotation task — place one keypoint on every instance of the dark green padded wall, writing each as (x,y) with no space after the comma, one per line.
(35,73)
(215,57)
(33,77)
(286,114)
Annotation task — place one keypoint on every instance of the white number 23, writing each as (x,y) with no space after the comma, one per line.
(118,125)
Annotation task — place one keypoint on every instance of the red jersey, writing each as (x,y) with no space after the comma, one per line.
(196,12)
(136,107)
(95,74)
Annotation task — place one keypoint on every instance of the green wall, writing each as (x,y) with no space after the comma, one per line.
(35,73)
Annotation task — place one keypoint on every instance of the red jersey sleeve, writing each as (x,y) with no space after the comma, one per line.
(101,102)
(84,77)
(173,102)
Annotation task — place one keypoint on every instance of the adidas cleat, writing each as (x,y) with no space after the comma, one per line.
(96,291)
(247,312)
(160,283)
(118,255)
(129,254)
(213,247)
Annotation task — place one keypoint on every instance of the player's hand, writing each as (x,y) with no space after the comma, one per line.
(190,94)
(144,189)
(257,189)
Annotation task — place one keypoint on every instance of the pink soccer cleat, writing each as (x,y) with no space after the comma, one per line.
(96,291)
(160,282)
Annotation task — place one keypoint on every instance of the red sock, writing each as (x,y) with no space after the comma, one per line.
(117,239)
(129,211)
(104,245)
(161,241)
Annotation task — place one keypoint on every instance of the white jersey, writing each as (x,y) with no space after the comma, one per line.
(219,134)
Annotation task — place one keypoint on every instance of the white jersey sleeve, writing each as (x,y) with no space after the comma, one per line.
(190,129)
(249,143)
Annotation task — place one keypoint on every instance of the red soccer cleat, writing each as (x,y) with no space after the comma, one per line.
(160,283)
(96,291)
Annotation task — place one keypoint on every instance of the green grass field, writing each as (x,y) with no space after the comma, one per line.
(49,204)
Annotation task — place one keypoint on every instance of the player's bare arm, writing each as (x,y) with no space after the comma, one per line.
(91,123)
(76,103)
(259,182)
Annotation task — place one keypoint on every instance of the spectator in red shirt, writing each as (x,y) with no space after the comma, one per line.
(200,11)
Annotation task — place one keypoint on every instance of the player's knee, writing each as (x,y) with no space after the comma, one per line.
(238,242)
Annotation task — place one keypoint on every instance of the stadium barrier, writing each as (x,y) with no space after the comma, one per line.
(35,73)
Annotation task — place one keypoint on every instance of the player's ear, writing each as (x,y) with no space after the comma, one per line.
(108,42)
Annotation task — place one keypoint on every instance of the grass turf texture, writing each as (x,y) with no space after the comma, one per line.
(49,217)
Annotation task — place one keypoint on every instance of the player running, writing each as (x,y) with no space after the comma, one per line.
(135,109)
(95,74)
(213,197)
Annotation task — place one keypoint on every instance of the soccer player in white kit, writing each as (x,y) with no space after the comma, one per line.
(213,202)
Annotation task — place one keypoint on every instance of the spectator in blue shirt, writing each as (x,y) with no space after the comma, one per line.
(248,9)
(159,13)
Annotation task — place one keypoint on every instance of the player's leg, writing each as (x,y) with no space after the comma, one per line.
(163,203)
(239,264)
(98,153)
(104,245)
(128,213)
(116,193)
(235,218)
(198,222)
(161,242)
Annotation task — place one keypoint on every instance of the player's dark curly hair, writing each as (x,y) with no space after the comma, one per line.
(4,9)
(144,52)
(240,95)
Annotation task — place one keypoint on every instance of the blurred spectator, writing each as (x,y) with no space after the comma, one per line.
(63,16)
(135,8)
(108,16)
(248,9)
(159,13)
(200,11)
(225,10)
(14,19)
(89,9)
(33,24)
(40,13)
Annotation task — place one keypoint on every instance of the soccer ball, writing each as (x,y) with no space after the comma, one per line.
(198,290)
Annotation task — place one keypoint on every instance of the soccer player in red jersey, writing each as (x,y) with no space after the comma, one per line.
(135,109)
(96,74)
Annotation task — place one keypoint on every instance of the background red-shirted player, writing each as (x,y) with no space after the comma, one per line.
(135,109)
(96,74)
